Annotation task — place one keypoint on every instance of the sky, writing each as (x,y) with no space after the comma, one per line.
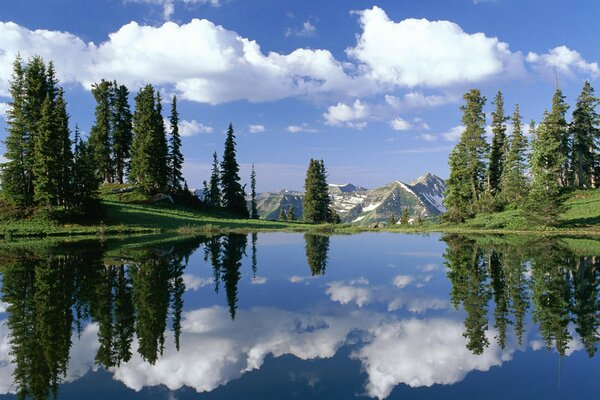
(373,88)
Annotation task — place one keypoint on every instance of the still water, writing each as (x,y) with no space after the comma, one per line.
(279,315)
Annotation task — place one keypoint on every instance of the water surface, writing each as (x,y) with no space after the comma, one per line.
(279,315)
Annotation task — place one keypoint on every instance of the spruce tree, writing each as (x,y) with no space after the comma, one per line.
(175,156)
(513,183)
(316,202)
(14,172)
(585,133)
(160,148)
(100,134)
(405,216)
(253,207)
(214,197)
(290,214)
(85,179)
(233,193)
(467,165)
(282,214)
(121,123)
(46,165)
(498,148)
(65,183)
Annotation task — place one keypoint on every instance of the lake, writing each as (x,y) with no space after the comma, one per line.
(282,315)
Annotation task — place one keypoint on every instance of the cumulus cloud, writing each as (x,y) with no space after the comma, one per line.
(189,128)
(202,61)
(259,280)
(193,282)
(300,128)
(422,353)
(3,109)
(428,137)
(401,281)
(399,124)
(256,128)
(345,294)
(352,116)
(419,52)
(453,134)
(417,101)
(565,61)
(308,29)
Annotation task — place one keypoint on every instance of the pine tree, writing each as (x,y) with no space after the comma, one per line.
(405,216)
(14,172)
(214,197)
(316,202)
(282,214)
(467,166)
(121,123)
(498,148)
(100,134)
(85,179)
(290,214)
(65,183)
(46,165)
(149,148)
(175,156)
(233,193)
(253,207)
(205,192)
(513,183)
(585,132)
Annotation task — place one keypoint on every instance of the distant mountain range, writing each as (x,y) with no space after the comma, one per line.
(423,197)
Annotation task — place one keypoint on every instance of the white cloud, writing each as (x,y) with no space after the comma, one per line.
(428,137)
(202,61)
(418,101)
(297,279)
(256,128)
(169,5)
(418,52)
(189,128)
(421,353)
(3,109)
(567,62)
(401,281)
(308,29)
(453,134)
(347,115)
(193,282)
(259,280)
(345,294)
(399,124)
(300,128)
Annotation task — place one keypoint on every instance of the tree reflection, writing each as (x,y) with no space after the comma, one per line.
(317,247)
(561,286)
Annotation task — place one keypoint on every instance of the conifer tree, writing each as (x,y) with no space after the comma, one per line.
(121,123)
(513,183)
(253,207)
(46,165)
(100,137)
(175,156)
(205,192)
(316,202)
(282,214)
(85,179)
(585,132)
(290,214)
(214,197)
(467,166)
(233,193)
(14,173)
(160,148)
(498,148)
(405,216)
(65,152)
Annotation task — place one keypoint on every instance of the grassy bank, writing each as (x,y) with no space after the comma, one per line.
(130,214)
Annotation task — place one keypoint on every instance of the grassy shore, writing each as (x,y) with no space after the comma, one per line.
(128,214)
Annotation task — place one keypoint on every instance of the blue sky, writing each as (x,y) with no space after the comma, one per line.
(372,87)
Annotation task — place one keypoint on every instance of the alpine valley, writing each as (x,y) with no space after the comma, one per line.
(358,205)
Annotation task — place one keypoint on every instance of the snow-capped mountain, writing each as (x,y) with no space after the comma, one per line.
(423,197)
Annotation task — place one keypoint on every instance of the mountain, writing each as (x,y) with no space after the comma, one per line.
(423,197)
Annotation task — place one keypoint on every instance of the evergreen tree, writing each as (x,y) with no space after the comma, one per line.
(149,147)
(316,203)
(100,134)
(549,164)
(233,193)
(290,213)
(214,197)
(467,166)
(121,122)
(65,183)
(404,217)
(317,249)
(585,132)
(513,182)
(46,165)
(205,191)
(253,207)
(85,179)
(498,148)
(282,214)
(14,172)
(175,156)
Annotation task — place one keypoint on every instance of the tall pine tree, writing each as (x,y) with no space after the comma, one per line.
(316,206)
(46,165)
(513,182)
(121,124)
(498,148)
(253,207)
(100,134)
(233,193)
(585,133)
(175,156)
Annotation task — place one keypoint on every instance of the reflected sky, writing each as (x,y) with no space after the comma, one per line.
(384,316)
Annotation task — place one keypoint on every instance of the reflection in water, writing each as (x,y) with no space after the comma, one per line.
(317,247)
(562,286)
